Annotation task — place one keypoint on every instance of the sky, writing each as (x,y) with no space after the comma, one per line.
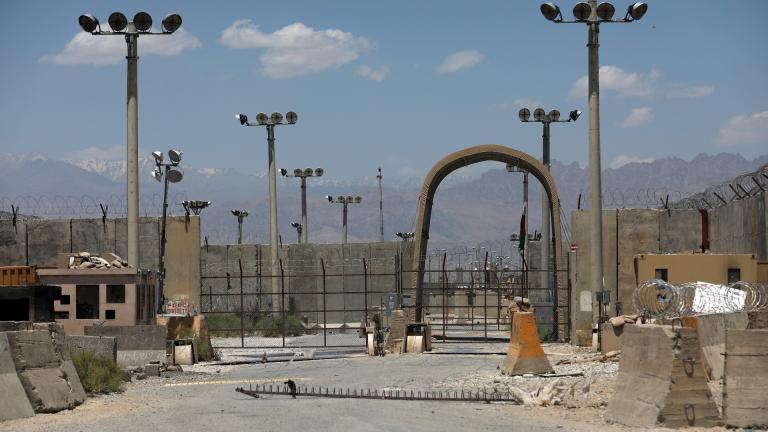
(396,84)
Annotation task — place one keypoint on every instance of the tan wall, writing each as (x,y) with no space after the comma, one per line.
(762,272)
(125,313)
(183,260)
(712,268)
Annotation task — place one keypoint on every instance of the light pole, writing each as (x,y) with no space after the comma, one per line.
(593,15)
(303,174)
(381,208)
(344,201)
(298,227)
(270,122)
(240,215)
(541,116)
(165,172)
(524,252)
(141,25)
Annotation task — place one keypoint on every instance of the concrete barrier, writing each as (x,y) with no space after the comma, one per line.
(49,380)
(100,345)
(136,345)
(710,330)
(13,399)
(525,355)
(745,398)
(661,380)
(758,320)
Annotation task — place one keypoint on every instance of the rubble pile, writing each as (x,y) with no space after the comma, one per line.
(87,260)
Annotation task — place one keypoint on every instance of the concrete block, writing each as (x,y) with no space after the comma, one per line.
(757,320)
(6,326)
(49,390)
(13,400)
(33,349)
(135,358)
(70,374)
(711,333)
(152,370)
(100,345)
(611,337)
(745,399)
(661,380)
(139,337)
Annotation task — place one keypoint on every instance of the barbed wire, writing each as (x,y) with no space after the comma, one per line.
(85,206)
(660,299)
(743,186)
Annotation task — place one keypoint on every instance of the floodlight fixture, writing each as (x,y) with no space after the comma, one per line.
(142,21)
(554,115)
(171,23)
(174,175)
(291,117)
(158,155)
(276,118)
(636,11)
(524,114)
(405,235)
(340,199)
(262,118)
(117,21)
(329,198)
(582,11)
(350,199)
(283,172)
(88,22)
(175,156)
(574,115)
(539,114)
(605,11)
(242,118)
(307,172)
(295,224)
(319,172)
(297,172)
(157,174)
(550,11)
(358,199)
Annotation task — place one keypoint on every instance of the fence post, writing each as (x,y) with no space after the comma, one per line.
(445,302)
(282,302)
(242,315)
(472,295)
(325,323)
(365,291)
(485,297)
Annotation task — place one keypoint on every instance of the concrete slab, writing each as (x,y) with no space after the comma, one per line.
(49,390)
(100,345)
(13,399)
(711,333)
(745,399)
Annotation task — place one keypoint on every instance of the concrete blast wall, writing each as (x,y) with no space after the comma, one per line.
(738,227)
(136,345)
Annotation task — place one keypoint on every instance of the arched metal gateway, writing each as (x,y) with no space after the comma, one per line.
(466,157)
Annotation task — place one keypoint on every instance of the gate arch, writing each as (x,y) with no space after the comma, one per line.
(466,157)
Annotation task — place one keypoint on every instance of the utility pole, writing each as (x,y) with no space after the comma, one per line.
(381,208)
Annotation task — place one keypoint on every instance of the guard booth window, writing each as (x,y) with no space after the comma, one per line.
(734,275)
(87,302)
(662,273)
(115,293)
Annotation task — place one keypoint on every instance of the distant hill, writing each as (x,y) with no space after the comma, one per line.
(468,210)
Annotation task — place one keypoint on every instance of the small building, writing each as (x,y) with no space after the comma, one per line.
(699,267)
(23,297)
(101,296)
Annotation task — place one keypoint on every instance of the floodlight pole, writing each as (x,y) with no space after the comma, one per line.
(381,208)
(273,208)
(344,223)
(304,237)
(161,265)
(132,168)
(545,211)
(239,229)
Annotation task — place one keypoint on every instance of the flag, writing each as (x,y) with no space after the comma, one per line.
(521,245)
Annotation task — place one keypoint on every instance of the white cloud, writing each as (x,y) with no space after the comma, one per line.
(691,92)
(296,49)
(621,160)
(85,48)
(613,78)
(744,129)
(114,153)
(372,73)
(460,60)
(637,117)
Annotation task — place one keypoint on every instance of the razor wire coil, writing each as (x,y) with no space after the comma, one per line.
(660,299)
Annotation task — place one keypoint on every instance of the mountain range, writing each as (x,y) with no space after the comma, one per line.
(471,207)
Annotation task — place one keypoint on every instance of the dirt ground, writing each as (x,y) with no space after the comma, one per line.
(203,396)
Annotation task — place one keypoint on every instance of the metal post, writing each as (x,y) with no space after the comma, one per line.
(132,169)
(445,302)
(161,266)
(273,242)
(485,298)
(242,310)
(544,259)
(527,227)
(381,208)
(365,290)
(239,229)
(325,323)
(282,302)
(595,191)
(344,224)
(305,228)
